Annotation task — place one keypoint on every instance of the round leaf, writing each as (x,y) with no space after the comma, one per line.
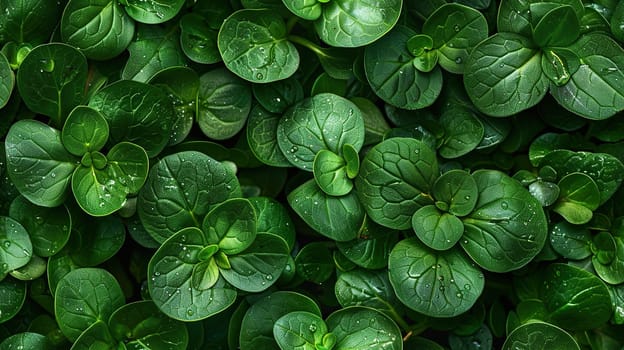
(15,246)
(545,192)
(324,121)
(579,196)
(558,27)
(7,80)
(83,297)
(356,23)
(457,189)
(38,164)
(48,228)
(435,283)
(367,288)
(85,130)
(456,29)
(259,266)
(540,335)
(364,328)
(12,297)
(153,11)
(330,173)
(257,324)
(504,75)
(262,137)
(438,230)
(137,113)
(463,132)
(571,241)
(273,217)
(253,45)
(231,225)
(26,340)
(338,218)
(372,248)
(276,97)
(224,102)
(574,298)
(171,273)
(180,189)
(507,228)
(198,40)
(395,179)
(299,329)
(391,73)
(307,9)
(101,29)
(608,261)
(102,192)
(95,240)
(140,323)
(51,80)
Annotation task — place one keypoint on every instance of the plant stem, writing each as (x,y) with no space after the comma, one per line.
(307,44)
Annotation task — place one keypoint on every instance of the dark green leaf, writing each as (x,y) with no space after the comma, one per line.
(540,335)
(51,80)
(7,80)
(372,248)
(26,340)
(262,137)
(330,173)
(253,45)
(395,179)
(458,190)
(367,288)
(85,130)
(435,283)
(571,241)
(360,327)
(153,11)
(579,196)
(437,229)
(198,40)
(83,297)
(558,27)
(223,104)
(101,29)
(299,330)
(12,297)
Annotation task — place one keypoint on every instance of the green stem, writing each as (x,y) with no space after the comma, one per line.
(291,23)
(307,44)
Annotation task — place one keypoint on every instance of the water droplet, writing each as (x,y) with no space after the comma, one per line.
(269,277)
(312,328)
(7,244)
(504,205)
(190,312)
(467,287)
(456,28)
(459,60)
(259,76)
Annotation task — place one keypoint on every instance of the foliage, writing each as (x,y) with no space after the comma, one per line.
(303,174)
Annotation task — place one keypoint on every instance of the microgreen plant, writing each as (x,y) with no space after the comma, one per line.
(318,175)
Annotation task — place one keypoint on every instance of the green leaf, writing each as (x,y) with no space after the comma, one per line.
(172,282)
(37,163)
(458,190)
(140,324)
(96,337)
(463,132)
(504,75)
(85,130)
(198,39)
(518,16)
(12,297)
(83,297)
(180,189)
(540,335)
(367,288)
(437,229)
(324,121)
(360,327)
(181,85)
(608,259)
(15,248)
(395,179)
(579,196)
(571,241)
(276,97)
(602,61)
(314,262)
(223,104)
(48,228)
(261,132)
(7,80)
(306,9)
(231,225)
(575,299)
(603,168)
(137,113)
(391,73)
(372,248)
(152,11)
(26,340)
(456,29)
(617,22)
(95,240)
(100,192)
(254,45)
(299,330)
(257,324)
(30,21)
(435,283)
(100,29)
(259,266)
(330,173)
(507,228)
(360,22)
(338,218)
(51,80)
(154,48)
(558,27)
